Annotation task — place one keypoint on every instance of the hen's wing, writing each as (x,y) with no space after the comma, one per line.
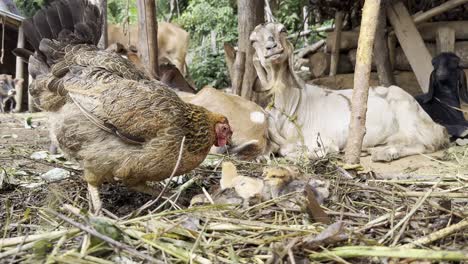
(112,64)
(134,110)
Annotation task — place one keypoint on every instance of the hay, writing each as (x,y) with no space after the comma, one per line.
(373,218)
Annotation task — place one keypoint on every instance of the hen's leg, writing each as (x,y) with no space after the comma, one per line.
(93,183)
(145,188)
(95,199)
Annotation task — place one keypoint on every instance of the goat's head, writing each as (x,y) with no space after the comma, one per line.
(271,44)
(447,71)
(273,53)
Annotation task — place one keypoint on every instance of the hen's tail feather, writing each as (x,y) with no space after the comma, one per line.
(67,21)
(49,31)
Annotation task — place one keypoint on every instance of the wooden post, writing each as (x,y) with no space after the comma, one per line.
(148,35)
(19,73)
(411,42)
(357,128)
(336,46)
(250,14)
(230,57)
(31,106)
(381,53)
(438,10)
(445,39)
(238,73)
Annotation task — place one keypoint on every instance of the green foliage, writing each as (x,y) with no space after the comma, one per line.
(200,18)
(29,7)
(118,12)
(289,14)
(203,16)
(209,70)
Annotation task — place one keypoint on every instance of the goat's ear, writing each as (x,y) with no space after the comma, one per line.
(462,87)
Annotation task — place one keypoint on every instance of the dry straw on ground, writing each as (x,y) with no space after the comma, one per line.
(373,218)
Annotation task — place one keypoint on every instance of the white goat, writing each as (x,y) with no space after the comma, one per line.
(318,118)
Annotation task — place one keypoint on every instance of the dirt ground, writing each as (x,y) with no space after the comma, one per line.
(18,141)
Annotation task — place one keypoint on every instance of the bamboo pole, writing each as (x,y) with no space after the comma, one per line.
(357,128)
(419,18)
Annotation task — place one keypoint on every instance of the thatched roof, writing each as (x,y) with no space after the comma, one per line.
(9,13)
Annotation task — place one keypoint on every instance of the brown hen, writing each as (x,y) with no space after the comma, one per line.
(107,114)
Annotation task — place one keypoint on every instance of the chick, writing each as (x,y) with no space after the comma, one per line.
(283,180)
(234,188)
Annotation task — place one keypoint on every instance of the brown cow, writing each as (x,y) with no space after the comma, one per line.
(173,42)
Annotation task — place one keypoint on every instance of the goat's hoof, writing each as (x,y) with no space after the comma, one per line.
(386,154)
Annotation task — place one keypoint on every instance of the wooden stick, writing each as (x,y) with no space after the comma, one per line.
(312,48)
(439,234)
(103,237)
(361,80)
(369,251)
(418,18)
(336,46)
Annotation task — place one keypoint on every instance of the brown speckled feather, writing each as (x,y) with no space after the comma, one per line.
(97,99)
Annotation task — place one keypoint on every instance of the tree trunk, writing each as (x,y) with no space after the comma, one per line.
(357,128)
(381,57)
(319,64)
(250,14)
(148,35)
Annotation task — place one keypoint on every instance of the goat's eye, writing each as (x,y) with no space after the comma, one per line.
(283,30)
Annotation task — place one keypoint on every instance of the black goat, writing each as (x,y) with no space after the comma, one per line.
(446,88)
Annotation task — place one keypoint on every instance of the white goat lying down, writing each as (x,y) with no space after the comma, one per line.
(318,119)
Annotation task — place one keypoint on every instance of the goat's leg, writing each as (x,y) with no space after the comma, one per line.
(389,153)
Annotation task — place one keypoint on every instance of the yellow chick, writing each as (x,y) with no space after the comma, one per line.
(276,178)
